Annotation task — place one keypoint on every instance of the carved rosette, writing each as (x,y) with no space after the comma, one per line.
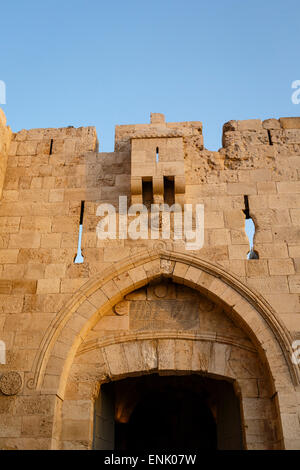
(122,308)
(10,383)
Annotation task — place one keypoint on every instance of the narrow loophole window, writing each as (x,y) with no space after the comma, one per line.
(250,230)
(51,147)
(157,154)
(79,258)
(169,190)
(270,137)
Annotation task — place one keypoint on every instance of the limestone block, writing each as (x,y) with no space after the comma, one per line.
(295,216)
(287,234)
(290,425)
(13,271)
(98,299)
(257,268)
(271,124)
(272,250)
(276,284)
(77,409)
(217,237)
(238,237)
(133,356)
(27,148)
(25,240)
(35,224)
(157,118)
(123,282)
(166,355)
(294,284)
(65,224)
(191,276)
(250,124)
(115,359)
(138,276)
(221,354)
(201,356)
(76,430)
(56,195)
(68,285)
(267,187)
(294,251)
(51,240)
(183,355)
(281,266)
(48,286)
(238,251)
(290,122)
(34,255)
(9,224)
(213,219)
(111,290)
(11,304)
(241,188)
(283,201)
(10,195)
(38,195)
(34,271)
(10,426)
(297,265)
(258,408)
(288,187)
(113,323)
(116,254)
(48,182)
(55,271)
(179,271)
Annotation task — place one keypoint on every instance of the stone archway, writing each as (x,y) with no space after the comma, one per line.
(180,355)
(251,312)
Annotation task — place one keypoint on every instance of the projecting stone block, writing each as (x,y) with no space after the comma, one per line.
(157,118)
(250,124)
(290,122)
(271,124)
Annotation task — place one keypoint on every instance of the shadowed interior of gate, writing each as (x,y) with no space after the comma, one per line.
(167,412)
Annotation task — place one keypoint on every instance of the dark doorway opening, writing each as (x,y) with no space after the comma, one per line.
(167,412)
(169,190)
(147,190)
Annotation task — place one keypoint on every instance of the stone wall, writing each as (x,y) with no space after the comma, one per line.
(51,171)
(5,137)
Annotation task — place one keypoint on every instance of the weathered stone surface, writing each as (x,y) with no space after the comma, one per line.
(10,383)
(164,314)
(142,307)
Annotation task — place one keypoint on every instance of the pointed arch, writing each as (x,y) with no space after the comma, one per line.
(100,293)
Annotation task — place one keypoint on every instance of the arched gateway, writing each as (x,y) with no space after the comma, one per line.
(203,326)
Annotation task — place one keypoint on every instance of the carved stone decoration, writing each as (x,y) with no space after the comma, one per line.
(10,383)
(122,308)
(160,245)
(166,266)
(160,291)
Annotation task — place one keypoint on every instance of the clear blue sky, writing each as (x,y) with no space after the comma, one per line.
(102,63)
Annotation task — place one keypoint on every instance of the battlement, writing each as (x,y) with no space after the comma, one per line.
(254,131)
(157,129)
(35,141)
